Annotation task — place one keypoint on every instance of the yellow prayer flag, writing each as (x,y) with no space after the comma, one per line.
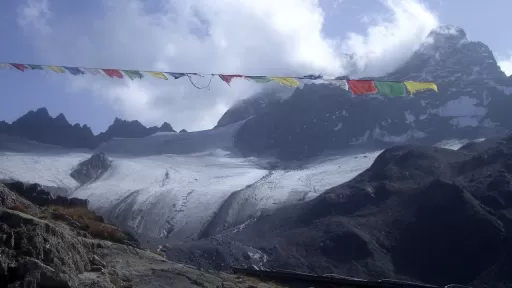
(414,87)
(57,69)
(159,75)
(286,81)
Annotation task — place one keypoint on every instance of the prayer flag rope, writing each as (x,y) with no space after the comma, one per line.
(357,87)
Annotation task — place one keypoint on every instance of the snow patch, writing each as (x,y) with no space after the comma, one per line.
(464,110)
(486,98)
(338,127)
(361,139)
(383,136)
(409,118)
(488,123)
(46,169)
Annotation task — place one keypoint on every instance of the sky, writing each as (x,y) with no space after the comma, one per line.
(264,37)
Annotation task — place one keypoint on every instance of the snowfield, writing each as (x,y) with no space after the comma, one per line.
(177,196)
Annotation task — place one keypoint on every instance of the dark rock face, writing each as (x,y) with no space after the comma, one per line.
(419,213)
(91,169)
(41,197)
(10,200)
(183,131)
(473,94)
(40,127)
(26,261)
(249,107)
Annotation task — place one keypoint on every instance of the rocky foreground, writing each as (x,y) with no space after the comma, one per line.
(62,244)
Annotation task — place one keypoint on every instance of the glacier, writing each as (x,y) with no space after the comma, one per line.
(174,185)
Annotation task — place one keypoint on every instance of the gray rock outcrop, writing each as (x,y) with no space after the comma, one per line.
(91,169)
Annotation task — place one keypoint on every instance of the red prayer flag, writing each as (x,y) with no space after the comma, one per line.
(361,87)
(113,73)
(20,67)
(228,78)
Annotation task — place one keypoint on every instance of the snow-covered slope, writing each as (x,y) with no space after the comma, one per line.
(182,197)
(49,169)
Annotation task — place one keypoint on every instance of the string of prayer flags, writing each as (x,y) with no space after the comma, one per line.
(357,87)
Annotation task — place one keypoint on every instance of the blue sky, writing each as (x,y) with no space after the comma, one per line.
(228,36)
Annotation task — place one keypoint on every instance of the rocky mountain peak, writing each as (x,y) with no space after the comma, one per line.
(61,119)
(131,129)
(166,127)
(447,34)
(40,112)
(120,122)
(447,55)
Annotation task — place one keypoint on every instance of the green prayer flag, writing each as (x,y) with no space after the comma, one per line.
(132,74)
(392,89)
(259,79)
(35,67)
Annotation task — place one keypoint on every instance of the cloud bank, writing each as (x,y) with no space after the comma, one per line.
(506,65)
(225,36)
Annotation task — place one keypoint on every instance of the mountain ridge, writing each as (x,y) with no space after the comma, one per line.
(39,126)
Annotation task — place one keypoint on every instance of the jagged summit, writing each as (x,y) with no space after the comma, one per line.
(40,111)
(447,33)
(447,55)
(62,119)
(166,127)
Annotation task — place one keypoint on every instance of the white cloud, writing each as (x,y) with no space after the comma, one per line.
(390,40)
(506,65)
(225,36)
(35,13)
